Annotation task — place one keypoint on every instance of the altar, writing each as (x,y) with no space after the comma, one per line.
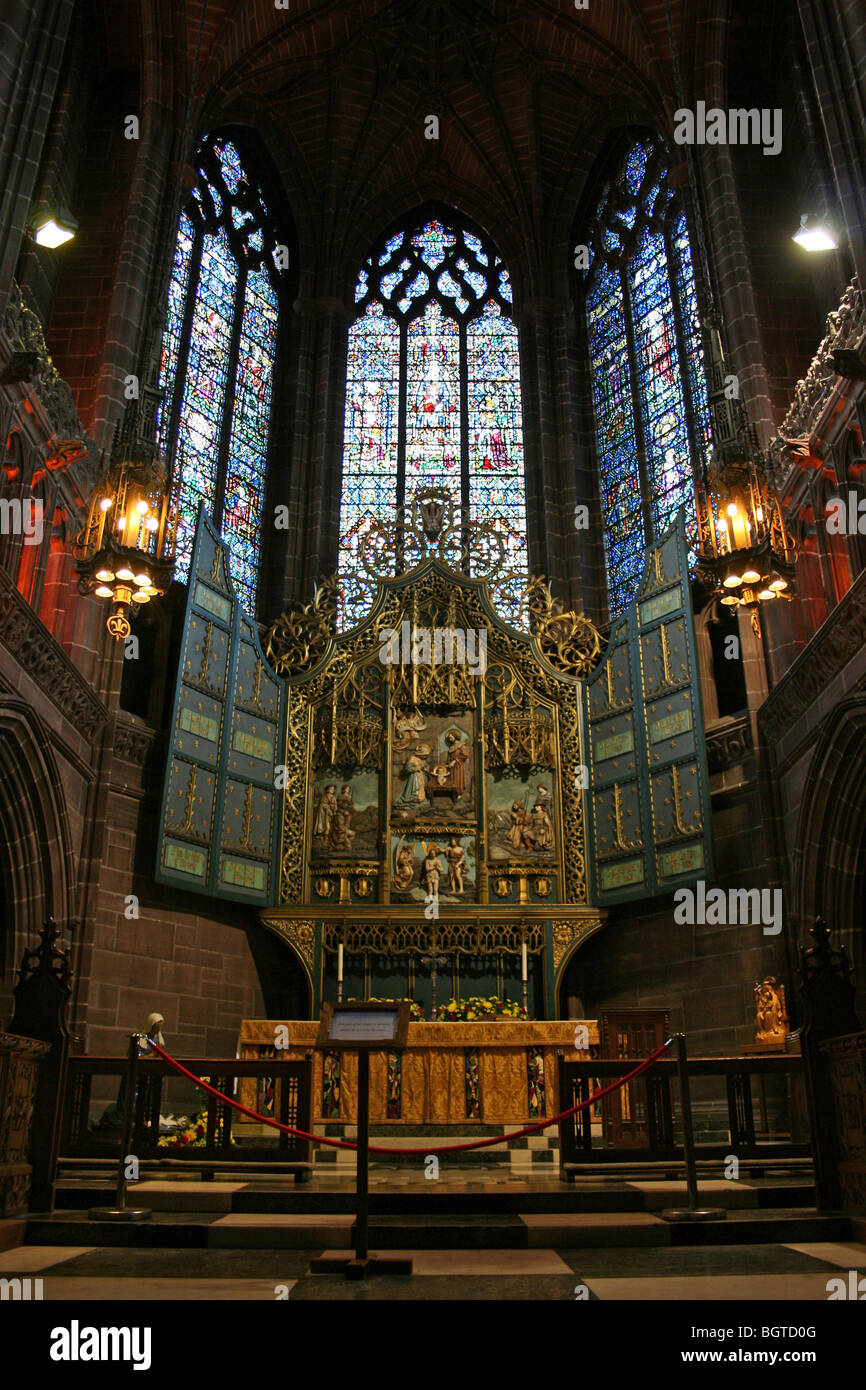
(492,1073)
(437,800)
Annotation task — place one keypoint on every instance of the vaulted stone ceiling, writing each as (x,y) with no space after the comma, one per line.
(525,93)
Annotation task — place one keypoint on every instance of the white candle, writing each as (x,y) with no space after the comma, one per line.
(524,975)
(339,962)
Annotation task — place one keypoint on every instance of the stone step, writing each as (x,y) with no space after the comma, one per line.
(333,1231)
(423,1198)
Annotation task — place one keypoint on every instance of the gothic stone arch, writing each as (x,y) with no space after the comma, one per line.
(35,833)
(827,854)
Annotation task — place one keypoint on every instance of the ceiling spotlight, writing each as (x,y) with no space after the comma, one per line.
(52,227)
(814,235)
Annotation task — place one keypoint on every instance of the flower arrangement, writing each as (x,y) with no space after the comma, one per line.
(477,1009)
(416,1013)
(191,1133)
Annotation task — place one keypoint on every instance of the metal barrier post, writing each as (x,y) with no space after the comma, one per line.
(693,1212)
(120,1211)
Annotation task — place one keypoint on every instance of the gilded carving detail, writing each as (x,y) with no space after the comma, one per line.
(302,935)
(567,934)
(348,706)
(298,640)
(569,641)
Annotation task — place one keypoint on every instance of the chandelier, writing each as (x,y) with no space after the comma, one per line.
(125,553)
(745,554)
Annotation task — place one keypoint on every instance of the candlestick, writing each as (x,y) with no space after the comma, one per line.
(339,972)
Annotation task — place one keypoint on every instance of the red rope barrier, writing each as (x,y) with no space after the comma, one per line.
(431,1148)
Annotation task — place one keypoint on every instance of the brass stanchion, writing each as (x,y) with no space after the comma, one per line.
(692,1212)
(120,1211)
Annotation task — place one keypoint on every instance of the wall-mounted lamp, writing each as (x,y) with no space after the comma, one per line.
(52,226)
(813,234)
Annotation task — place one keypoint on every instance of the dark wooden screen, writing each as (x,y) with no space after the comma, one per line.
(632,1117)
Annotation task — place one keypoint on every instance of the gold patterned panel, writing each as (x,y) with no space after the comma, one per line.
(405,937)
(433,1068)
(302,936)
(294,800)
(567,936)
(340,694)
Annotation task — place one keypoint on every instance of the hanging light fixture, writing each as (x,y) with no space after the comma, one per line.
(814,234)
(745,553)
(125,552)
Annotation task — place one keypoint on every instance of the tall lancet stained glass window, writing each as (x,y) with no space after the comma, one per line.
(432,391)
(217,361)
(648,388)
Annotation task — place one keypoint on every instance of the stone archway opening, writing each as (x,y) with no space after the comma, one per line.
(829,862)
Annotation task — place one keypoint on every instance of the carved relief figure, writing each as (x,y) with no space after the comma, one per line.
(456,864)
(325,812)
(404,866)
(443,869)
(521,817)
(341,834)
(434,778)
(413,797)
(433,869)
(406,725)
(347,824)
(518,834)
(457,756)
(540,827)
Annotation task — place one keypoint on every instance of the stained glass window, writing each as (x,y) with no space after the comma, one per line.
(648,388)
(217,362)
(432,391)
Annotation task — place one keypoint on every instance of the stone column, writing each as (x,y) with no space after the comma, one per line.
(32,39)
(545,325)
(310,486)
(835,34)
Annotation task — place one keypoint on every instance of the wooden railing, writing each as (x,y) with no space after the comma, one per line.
(224,1138)
(650,1104)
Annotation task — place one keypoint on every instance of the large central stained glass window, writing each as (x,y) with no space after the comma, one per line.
(648,388)
(432,391)
(217,362)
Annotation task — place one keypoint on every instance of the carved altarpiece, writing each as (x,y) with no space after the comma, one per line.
(450,775)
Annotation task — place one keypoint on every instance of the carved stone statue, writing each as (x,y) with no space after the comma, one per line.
(770,1014)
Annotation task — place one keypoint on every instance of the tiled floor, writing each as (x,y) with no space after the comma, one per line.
(519,1237)
(752,1273)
